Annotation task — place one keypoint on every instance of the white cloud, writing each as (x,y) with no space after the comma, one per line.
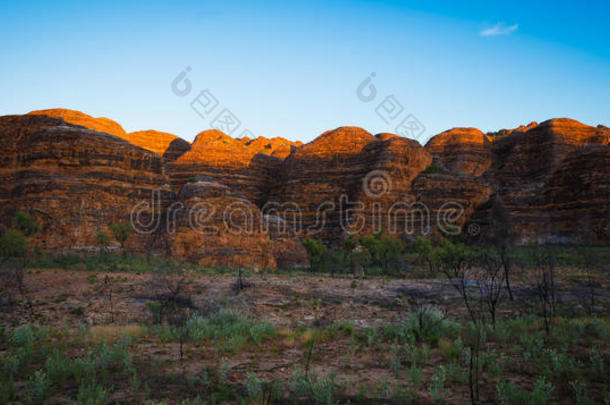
(499,29)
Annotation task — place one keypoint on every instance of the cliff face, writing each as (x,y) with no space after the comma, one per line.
(167,145)
(217,227)
(77,181)
(462,150)
(541,173)
(255,199)
(321,179)
(229,161)
(74,180)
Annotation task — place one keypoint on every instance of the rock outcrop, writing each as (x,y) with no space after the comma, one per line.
(229,161)
(222,201)
(538,172)
(154,141)
(77,181)
(100,124)
(462,150)
(74,180)
(165,144)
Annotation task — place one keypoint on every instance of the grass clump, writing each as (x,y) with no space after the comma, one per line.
(230,327)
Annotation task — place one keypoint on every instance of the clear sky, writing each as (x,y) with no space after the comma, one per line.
(292,69)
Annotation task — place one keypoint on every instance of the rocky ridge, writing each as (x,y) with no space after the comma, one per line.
(77,174)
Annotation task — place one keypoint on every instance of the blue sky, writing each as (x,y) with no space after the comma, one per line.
(292,69)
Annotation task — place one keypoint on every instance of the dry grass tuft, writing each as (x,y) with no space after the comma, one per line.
(112,333)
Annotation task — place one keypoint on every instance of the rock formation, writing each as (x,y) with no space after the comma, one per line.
(74,180)
(167,145)
(247,202)
(151,140)
(77,181)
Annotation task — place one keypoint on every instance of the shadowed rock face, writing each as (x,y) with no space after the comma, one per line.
(540,172)
(76,180)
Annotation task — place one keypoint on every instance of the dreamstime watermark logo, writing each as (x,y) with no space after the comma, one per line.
(390,110)
(241,217)
(376,183)
(206,103)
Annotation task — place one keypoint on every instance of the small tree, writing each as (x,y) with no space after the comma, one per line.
(501,237)
(384,249)
(543,259)
(174,305)
(425,252)
(315,250)
(490,280)
(349,244)
(107,292)
(25,223)
(102,239)
(13,244)
(590,262)
(455,260)
(121,232)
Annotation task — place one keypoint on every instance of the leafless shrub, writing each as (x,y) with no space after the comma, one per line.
(501,238)
(542,274)
(106,291)
(491,281)
(168,290)
(240,281)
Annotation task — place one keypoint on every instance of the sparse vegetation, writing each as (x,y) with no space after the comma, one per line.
(164,332)
(121,232)
(432,168)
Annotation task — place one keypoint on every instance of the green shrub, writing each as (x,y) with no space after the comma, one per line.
(13,244)
(383,249)
(596,328)
(22,336)
(90,393)
(437,385)
(25,223)
(229,325)
(427,324)
(579,390)
(12,363)
(416,376)
(121,232)
(493,362)
(262,391)
(37,388)
(315,250)
(432,169)
(457,373)
(395,361)
(532,346)
(318,389)
(510,393)
(59,368)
